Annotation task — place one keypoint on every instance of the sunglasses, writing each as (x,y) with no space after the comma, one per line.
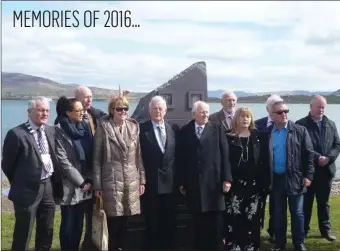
(283,111)
(120,109)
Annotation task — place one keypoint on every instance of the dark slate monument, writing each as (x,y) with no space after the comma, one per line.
(180,93)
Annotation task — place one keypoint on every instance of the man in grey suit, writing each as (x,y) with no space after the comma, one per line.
(226,114)
(31,167)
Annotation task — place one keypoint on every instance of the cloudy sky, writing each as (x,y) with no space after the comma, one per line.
(248,46)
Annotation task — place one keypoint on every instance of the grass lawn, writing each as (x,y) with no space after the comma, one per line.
(313,241)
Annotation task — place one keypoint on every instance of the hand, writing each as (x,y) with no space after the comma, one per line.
(226,186)
(87,187)
(141,189)
(323,161)
(99,193)
(182,190)
(306,182)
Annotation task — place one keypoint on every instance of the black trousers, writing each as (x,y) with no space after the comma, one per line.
(208,231)
(116,228)
(42,210)
(321,189)
(159,211)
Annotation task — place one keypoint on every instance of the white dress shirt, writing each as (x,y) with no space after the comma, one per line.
(158,137)
(46,158)
(196,126)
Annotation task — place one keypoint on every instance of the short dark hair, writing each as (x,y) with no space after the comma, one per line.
(65,104)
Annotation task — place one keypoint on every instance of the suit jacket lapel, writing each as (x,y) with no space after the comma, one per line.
(169,137)
(32,139)
(223,120)
(50,139)
(150,135)
(206,132)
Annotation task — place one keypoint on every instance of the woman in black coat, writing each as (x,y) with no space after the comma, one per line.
(248,152)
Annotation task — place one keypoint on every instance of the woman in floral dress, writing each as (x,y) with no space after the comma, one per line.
(251,178)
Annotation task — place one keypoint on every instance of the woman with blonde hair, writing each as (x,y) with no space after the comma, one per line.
(251,177)
(119,175)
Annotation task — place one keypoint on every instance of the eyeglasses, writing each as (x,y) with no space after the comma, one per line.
(78,111)
(120,109)
(42,110)
(283,111)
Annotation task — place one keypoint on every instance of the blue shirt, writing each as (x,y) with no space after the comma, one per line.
(279,137)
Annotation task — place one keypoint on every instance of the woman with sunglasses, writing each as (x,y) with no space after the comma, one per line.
(119,175)
(251,178)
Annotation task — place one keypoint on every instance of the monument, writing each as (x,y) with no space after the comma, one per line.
(180,93)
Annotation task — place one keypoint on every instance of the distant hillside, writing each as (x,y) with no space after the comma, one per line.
(337,93)
(218,93)
(17,85)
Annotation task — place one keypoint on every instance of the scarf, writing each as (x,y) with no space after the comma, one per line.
(77,133)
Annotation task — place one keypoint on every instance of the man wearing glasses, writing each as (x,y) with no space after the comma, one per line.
(30,164)
(291,160)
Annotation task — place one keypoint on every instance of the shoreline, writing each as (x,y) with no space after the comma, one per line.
(7,205)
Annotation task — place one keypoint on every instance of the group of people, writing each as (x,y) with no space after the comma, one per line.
(224,165)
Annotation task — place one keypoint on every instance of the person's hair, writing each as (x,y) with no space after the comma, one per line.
(272,99)
(242,111)
(79,91)
(197,104)
(316,97)
(65,104)
(33,103)
(277,103)
(227,93)
(158,99)
(117,101)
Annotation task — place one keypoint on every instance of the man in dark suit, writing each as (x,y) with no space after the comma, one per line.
(326,145)
(158,142)
(262,125)
(30,164)
(204,174)
(91,116)
(226,114)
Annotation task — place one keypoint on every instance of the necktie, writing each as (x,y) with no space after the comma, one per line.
(229,121)
(270,123)
(43,148)
(162,135)
(199,131)
(86,117)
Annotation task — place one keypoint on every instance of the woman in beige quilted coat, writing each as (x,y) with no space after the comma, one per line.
(118,172)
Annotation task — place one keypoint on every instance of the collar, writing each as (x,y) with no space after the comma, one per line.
(155,125)
(284,128)
(34,126)
(227,114)
(196,125)
(269,119)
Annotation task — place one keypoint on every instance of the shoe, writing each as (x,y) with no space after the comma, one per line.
(277,249)
(329,236)
(272,238)
(301,248)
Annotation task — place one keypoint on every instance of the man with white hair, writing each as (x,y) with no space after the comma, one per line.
(326,145)
(158,140)
(204,175)
(31,167)
(265,122)
(226,114)
(261,125)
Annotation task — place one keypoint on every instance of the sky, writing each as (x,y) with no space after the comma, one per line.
(248,46)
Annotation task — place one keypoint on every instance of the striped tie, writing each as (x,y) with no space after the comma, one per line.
(43,148)
(199,131)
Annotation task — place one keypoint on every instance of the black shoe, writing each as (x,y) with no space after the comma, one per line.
(300,248)
(329,236)
(272,238)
